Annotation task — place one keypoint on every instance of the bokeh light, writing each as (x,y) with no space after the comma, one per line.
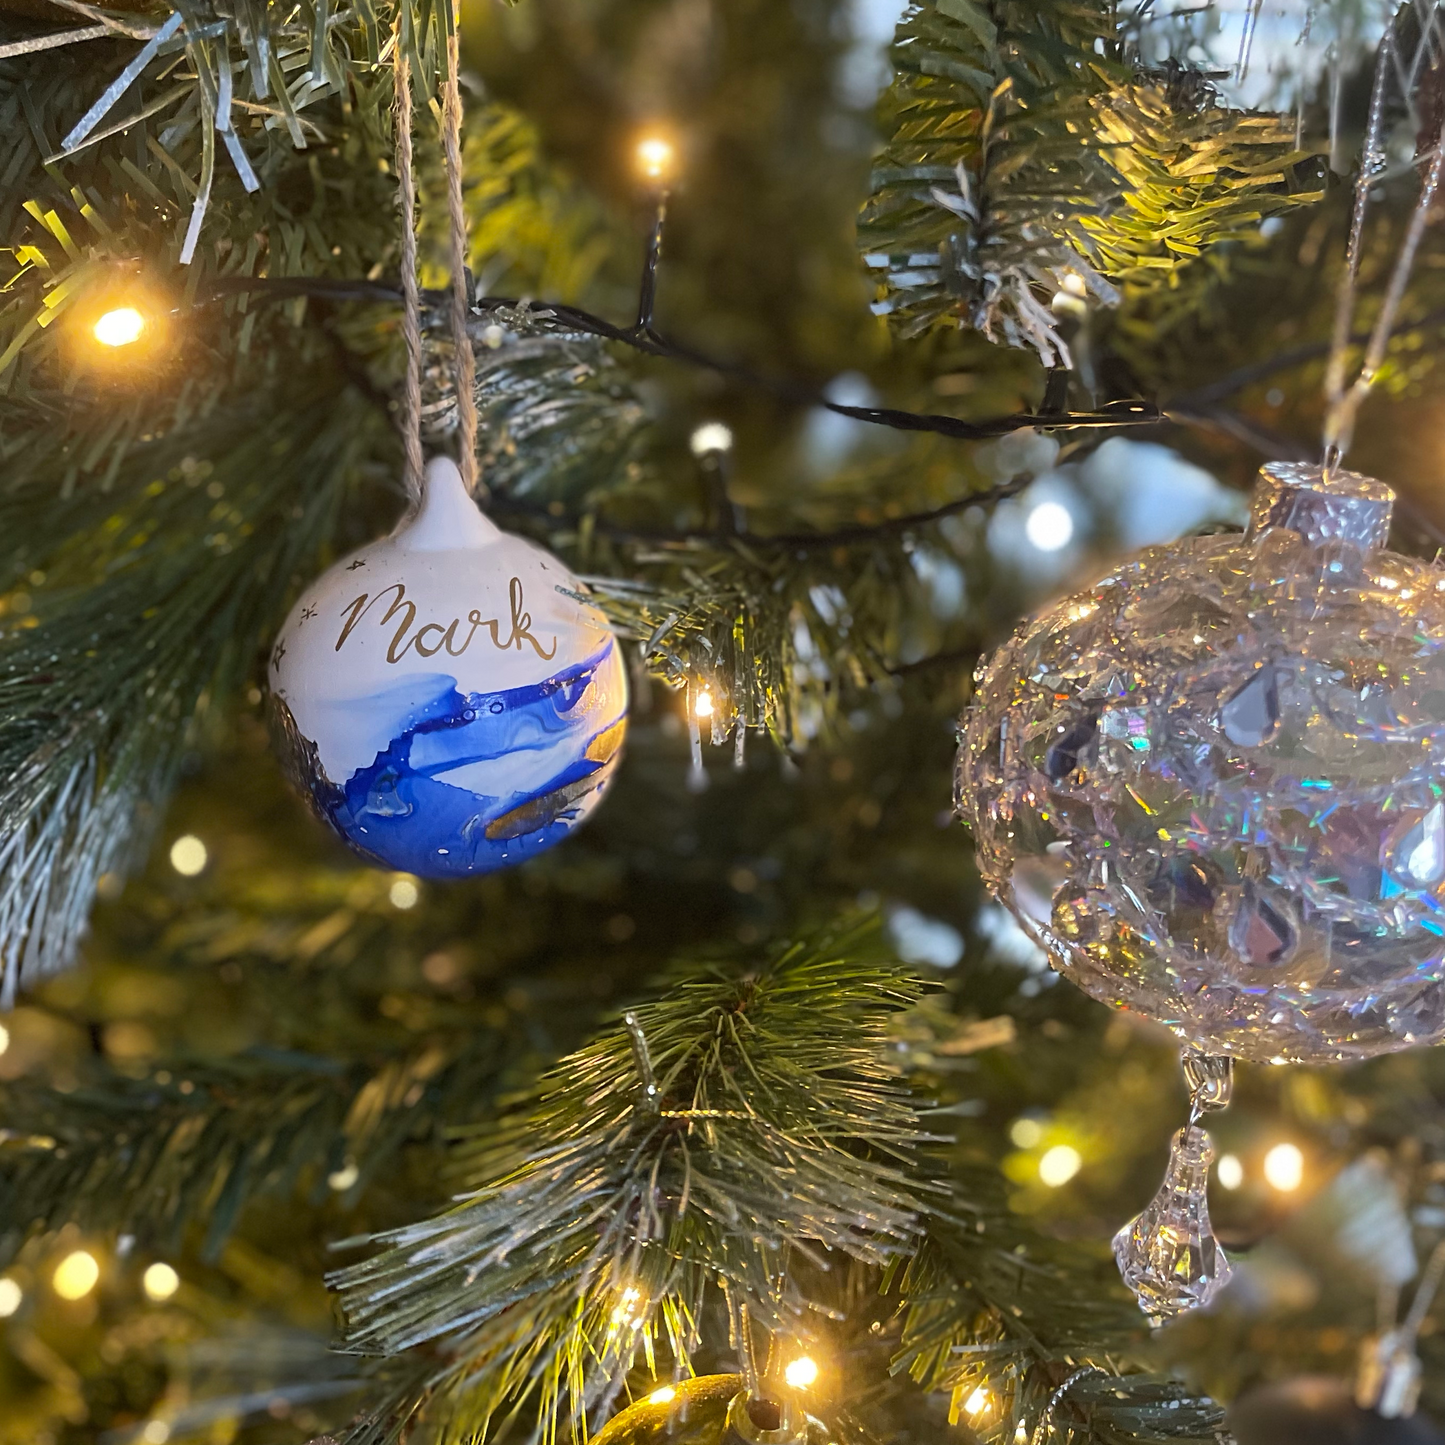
(1059,1164)
(76,1275)
(10,1296)
(404,893)
(1284,1167)
(1025,1133)
(1050,526)
(1230,1171)
(160,1282)
(188,855)
(655,157)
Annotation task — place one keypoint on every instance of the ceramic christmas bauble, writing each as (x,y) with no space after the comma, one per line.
(446,697)
(1212,785)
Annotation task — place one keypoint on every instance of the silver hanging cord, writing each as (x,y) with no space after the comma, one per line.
(1344,404)
(410,292)
(464,362)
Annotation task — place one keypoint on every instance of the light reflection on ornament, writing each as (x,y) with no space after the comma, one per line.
(662,1396)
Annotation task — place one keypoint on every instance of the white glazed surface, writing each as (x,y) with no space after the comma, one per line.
(447,689)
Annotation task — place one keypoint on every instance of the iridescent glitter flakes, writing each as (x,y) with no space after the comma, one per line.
(1213,785)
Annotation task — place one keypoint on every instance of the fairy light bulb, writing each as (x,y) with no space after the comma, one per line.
(1284,1168)
(76,1275)
(160,1282)
(119,327)
(1059,1164)
(801,1373)
(977,1403)
(655,157)
(703,704)
(1229,1171)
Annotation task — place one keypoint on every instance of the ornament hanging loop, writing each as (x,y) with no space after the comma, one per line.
(1210,1078)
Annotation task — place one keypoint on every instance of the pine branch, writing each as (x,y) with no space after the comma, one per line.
(1028,160)
(201,1140)
(599,1215)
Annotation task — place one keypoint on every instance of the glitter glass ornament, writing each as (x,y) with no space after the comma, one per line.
(1212,785)
(445,697)
(714,1410)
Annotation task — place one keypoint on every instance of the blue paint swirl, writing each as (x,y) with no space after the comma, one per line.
(474,782)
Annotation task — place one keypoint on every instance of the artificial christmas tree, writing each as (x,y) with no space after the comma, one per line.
(747,1080)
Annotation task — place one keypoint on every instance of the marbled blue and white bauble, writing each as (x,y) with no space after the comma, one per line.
(446,699)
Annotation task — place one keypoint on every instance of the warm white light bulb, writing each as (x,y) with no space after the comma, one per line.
(119,327)
(1284,1167)
(801,1373)
(1230,1171)
(977,1402)
(76,1275)
(703,705)
(654,156)
(4,1038)
(1025,1132)
(711,437)
(1049,526)
(1059,1164)
(160,1282)
(10,1296)
(188,855)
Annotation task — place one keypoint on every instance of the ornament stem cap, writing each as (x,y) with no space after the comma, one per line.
(448,519)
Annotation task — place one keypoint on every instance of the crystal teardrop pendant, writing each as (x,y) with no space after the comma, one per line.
(1168,1255)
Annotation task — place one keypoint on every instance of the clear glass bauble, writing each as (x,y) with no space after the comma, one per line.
(1212,785)
(446,697)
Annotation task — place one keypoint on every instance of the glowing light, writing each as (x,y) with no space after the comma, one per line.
(654,157)
(710,437)
(1059,1165)
(1049,526)
(977,1402)
(188,855)
(663,1396)
(10,1296)
(76,1275)
(342,1179)
(156,1433)
(1073,283)
(1284,1167)
(1021,1434)
(1025,1133)
(4,1038)
(703,705)
(629,1308)
(1230,1171)
(801,1373)
(404,893)
(119,327)
(160,1282)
